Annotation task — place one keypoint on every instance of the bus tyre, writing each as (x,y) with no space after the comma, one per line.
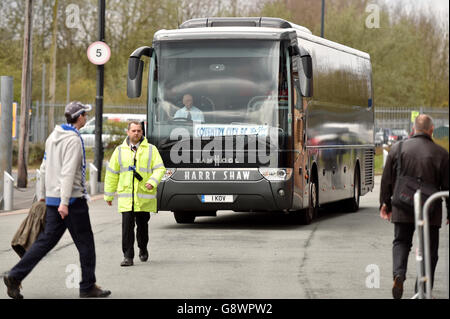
(183,217)
(353,203)
(312,211)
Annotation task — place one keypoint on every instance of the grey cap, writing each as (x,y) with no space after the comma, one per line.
(75,108)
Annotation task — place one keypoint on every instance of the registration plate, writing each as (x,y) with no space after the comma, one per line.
(217,198)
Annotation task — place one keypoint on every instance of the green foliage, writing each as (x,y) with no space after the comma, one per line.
(442,142)
(378,164)
(409,51)
(276,9)
(35,154)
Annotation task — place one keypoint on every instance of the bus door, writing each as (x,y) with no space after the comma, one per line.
(300,159)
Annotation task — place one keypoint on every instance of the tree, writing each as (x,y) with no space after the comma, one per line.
(25,101)
(52,89)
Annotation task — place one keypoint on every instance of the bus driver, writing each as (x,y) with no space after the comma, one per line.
(189,111)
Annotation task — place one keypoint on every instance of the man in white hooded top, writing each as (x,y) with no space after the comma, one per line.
(63,187)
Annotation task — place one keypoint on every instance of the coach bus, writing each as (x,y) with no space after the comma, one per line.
(281,121)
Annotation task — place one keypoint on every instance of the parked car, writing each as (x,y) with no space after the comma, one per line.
(383,135)
(110,131)
(397,135)
(379,138)
(441,132)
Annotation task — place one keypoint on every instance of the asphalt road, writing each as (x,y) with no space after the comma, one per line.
(233,255)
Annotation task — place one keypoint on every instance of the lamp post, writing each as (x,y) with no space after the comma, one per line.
(98,156)
(323,18)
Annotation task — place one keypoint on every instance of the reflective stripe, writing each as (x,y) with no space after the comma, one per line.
(158,166)
(138,195)
(146,196)
(111,170)
(120,159)
(109,194)
(145,170)
(150,146)
(123,170)
(155,180)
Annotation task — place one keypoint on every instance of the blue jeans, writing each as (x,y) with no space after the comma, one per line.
(79,226)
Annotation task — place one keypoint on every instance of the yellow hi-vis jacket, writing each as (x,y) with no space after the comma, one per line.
(132,193)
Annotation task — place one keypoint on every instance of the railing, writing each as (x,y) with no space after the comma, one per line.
(423,243)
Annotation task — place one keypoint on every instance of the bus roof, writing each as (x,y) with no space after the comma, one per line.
(272,29)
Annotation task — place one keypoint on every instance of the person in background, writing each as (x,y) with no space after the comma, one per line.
(422,158)
(189,111)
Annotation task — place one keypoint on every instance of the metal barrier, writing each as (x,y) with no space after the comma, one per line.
(37,191)
(423,242)
(8,191)
(93,176)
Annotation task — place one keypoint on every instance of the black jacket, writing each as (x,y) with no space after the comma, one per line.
(30,229)
(421,157)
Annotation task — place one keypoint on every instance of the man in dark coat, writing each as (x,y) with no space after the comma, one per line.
(422,158)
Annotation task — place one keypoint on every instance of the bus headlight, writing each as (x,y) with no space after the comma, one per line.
(276,174)
(169,172)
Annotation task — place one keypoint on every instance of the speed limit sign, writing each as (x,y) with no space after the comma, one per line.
(99,53)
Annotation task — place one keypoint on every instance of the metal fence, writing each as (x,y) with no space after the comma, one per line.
(385,117)
(39,117)
(400,117)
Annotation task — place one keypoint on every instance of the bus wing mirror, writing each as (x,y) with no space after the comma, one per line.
(135,70)
(134,81)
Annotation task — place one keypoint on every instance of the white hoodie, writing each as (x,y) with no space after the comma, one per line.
(61,177)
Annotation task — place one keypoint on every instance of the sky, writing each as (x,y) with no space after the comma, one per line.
(439,8)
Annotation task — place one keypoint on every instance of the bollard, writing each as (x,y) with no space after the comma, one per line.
(37,192)
(8,191)
(6,120)
(385,155)
(93,175)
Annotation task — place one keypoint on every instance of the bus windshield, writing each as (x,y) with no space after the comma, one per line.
(218,88)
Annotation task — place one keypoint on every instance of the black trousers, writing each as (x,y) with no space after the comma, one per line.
(79,226)
(402,246)
(129,219)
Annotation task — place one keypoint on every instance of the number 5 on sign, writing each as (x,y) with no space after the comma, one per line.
(99,53)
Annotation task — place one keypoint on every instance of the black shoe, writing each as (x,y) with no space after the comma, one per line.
(143,254)
(127,262)
(397,288)
(13,286)
(95,292)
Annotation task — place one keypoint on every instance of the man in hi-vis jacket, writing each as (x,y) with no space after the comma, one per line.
(134,172)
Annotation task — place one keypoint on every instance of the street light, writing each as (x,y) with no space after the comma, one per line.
(323,17)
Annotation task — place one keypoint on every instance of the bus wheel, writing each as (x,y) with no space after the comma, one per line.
(353,203)
(312,211)
(183,217)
